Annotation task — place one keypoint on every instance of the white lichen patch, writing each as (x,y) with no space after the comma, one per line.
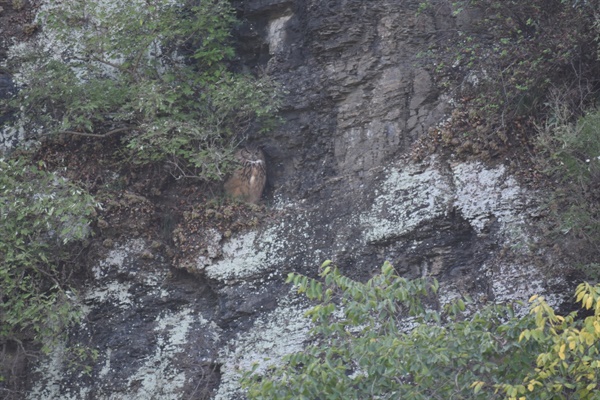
(57,42)
(484,197)
(516,282)
(120,261)
(51,373)
(483,194)
(158,377)
(408,198)
(114,292)
(49,386)
(249,255)
(106,367)
(273,336)
(116,258)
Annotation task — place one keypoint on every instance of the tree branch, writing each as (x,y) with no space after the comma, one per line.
(97,135)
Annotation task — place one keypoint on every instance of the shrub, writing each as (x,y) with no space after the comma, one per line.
(504,62)
(153,71)
(40,215)
(568,151)
(388,339)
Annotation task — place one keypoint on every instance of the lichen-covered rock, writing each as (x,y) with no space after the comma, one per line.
(273,335)
(408,197)
(154,333)
(340,187)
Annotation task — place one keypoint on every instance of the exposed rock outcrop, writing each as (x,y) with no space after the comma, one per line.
(343,187)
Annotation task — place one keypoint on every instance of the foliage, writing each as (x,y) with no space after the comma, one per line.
(568,151)
(79,358)
(571,150)
(40,215)
(156,70)
(387,339)
(569,364)
(502,63)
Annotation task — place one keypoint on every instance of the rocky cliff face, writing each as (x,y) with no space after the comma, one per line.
(342,186)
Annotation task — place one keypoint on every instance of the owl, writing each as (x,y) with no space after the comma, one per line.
(248,181)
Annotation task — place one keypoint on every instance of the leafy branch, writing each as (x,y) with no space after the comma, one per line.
(387,339)
(155,72)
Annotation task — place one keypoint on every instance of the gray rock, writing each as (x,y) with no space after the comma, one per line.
(343,188)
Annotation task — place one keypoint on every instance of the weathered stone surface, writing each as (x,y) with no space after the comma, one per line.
(273,335)
(343,189)
(155,333)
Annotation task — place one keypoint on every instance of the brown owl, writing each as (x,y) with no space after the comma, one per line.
(248,181)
